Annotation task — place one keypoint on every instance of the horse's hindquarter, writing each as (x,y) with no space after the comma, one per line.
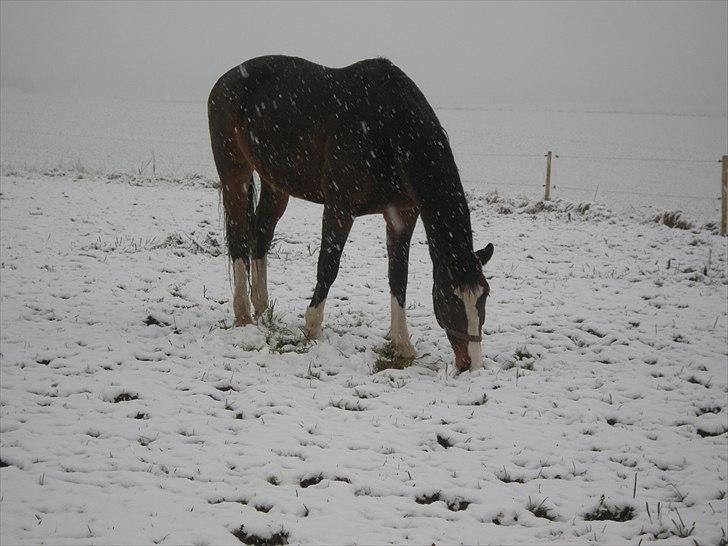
(319,135)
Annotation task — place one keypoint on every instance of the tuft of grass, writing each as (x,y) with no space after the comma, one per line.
(605,512)
(428,499)
(125,397)
(278,336)
(388,359)
(540,510)
(348,405)
(682,530)
(505,476)
(275,539)
(673,219)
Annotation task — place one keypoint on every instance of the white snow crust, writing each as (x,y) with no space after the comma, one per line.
(132,412)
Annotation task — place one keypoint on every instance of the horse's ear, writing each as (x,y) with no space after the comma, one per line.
(485,254)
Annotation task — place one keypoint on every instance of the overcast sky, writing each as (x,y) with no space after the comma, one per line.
(461,54)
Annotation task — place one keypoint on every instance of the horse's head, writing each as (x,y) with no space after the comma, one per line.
(460,310)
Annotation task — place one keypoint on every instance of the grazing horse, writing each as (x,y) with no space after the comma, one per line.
(360,140)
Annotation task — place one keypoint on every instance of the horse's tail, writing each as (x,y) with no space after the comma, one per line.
(252,200)
(237,187)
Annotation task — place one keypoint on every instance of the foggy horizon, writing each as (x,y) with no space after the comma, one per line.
(622,55)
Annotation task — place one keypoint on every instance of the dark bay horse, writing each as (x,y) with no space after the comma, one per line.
(360,140)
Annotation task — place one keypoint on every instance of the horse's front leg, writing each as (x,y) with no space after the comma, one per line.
(336,225)
(400,226)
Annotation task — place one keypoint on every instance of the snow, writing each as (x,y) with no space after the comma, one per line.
(132,411)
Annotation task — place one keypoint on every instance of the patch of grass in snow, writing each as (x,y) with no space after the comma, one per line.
(682,530)
(275,539)
(522,358)
(428,498)
(153,321)
(702,410)
(540,510)
(607,512)
(315,479)
(388,359)
(456,504)
(672,219)
(278,336)
(349,405)
(125,397)
(505,476)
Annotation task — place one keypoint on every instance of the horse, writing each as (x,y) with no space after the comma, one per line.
(361,139)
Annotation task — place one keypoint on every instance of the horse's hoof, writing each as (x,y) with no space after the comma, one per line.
(405,351)
(243,321)
(313,334)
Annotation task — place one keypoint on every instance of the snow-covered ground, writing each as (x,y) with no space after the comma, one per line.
(131,412)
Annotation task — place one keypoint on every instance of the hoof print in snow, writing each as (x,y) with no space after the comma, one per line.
(151,321)
(44,361)
(265,508)
(606,512)
(125,397)
(141,415)
(698,381)
(276,539)
(444,442)
(3,464)
(710,433)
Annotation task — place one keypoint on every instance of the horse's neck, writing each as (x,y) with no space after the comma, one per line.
(446,219)
(435,181)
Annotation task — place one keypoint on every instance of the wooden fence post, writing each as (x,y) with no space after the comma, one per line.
(724,198)
(547,186)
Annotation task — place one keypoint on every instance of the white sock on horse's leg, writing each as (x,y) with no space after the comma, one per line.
(314,319)
(241,301)
(259,289)
(398,332)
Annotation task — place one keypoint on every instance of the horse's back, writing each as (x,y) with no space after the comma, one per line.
(299,122)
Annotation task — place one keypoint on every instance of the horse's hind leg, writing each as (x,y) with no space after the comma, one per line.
(237,199)
(236,186)
(271,206)
(336,225)
(400,226)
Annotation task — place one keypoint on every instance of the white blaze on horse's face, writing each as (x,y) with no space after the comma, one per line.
(470,297)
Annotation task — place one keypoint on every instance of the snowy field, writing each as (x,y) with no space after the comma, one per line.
(131,412)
